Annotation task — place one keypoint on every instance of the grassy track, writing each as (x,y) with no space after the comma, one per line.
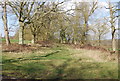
(61,62)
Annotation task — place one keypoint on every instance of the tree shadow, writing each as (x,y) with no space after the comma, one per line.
(24,59)
(49,54)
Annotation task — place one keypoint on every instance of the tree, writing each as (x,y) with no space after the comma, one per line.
(112,11)
(42,21)
(23,12)
(5,23)
(101,28)
(87,10)
(82,13)
(77,25)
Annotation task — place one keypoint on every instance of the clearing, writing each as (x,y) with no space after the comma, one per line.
(59,62)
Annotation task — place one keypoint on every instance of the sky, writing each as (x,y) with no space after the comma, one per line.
(13,24)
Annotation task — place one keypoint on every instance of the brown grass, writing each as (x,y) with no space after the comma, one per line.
(90,47)
(17,48)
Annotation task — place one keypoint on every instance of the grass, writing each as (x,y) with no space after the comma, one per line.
(59,62)
(15,41)
(110,49)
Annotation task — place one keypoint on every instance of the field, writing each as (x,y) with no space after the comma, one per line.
(60,61)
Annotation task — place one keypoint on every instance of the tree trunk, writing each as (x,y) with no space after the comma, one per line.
(75,42)
(83,39)
(99,39)
(86,33)
(33,38)
(21,33)
(113,44)
(113,41)
(5,25)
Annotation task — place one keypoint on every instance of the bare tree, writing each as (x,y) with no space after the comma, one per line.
(112,11)
(83,12)
(101,29)
(5,23)
(23,11)
(41,21)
